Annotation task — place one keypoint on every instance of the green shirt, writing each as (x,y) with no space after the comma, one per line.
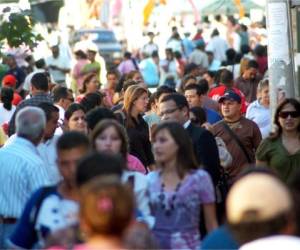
(92,67)
(278,158)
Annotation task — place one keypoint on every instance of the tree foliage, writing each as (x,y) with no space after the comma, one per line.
(17,29)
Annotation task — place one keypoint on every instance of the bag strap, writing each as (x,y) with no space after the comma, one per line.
(235,137)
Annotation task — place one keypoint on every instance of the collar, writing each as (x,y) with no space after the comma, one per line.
(187,124)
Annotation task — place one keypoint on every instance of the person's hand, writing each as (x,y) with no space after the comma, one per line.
(207,126)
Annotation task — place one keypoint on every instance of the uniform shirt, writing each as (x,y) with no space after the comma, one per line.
(22,171)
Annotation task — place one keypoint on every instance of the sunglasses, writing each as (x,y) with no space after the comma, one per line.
(285,114)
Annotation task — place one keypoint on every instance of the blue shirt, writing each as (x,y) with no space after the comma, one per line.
(54,213)
(212,116)
(22,172)
(149,72)
(221,238)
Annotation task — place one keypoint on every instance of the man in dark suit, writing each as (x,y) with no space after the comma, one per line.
(174,107)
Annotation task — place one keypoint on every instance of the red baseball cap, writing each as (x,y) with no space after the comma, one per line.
(9,81)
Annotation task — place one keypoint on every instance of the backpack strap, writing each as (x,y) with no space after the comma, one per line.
(237,140)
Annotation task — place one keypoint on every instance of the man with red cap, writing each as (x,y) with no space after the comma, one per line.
(10,81)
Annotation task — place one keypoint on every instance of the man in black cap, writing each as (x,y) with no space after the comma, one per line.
(241,136)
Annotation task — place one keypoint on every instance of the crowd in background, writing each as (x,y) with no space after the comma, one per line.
(172,153)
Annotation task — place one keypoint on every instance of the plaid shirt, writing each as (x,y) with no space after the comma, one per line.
(33,101)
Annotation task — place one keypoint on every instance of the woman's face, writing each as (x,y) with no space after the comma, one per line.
(92,85)
(109,141)
(164,147)
(141,103)
(77,122)
(289,118)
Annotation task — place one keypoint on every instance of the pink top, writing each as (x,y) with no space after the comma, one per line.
(77,72)
(134,164)
(126,66)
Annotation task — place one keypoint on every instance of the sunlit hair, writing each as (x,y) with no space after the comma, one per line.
(185,155)
(107,123)
(86,81)
(106,206)
(130,96)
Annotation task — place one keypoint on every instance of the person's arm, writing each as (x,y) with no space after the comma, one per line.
(209,155)
(209,210)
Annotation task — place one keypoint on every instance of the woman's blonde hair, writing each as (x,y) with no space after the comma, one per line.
(106,206)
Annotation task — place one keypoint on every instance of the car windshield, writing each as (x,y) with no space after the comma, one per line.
(100,36)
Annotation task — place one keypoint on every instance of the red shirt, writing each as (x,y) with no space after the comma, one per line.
(17,99)
(217,92)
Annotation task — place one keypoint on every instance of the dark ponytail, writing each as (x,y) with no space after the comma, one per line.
(7,96)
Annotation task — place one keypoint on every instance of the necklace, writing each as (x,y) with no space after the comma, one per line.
(168,207)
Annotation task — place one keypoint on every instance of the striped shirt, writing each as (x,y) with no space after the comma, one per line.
(22,172)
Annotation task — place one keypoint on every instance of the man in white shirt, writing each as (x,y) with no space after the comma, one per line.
(218,46)
(62,98)
(47,147)
(58,66)
(198,56)
(22,170)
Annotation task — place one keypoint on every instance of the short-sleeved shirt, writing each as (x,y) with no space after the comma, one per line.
(180,229)
(248,133)
(55,213)
(278,158)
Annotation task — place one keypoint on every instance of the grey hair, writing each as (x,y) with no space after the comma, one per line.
(30,122)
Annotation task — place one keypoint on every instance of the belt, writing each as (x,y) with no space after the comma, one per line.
(7,220)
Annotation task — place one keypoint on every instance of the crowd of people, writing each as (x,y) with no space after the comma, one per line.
(191,164)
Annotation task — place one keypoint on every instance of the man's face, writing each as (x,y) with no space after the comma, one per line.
(170,112)
(250,74)
(230,109)
(67,161)
(51,126)
(193,98)
(55,51)
(91,55)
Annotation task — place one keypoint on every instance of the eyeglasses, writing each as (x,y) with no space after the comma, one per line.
(169,111)
(285,114)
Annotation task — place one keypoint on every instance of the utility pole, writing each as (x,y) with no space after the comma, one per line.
(280,51)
